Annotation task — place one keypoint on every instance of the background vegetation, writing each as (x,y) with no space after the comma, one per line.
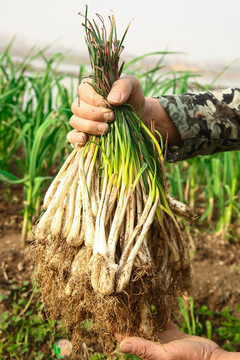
(35,106)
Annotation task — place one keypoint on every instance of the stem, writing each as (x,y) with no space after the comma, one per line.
(137,229)
(125,271)
(26,216)
(54,185)
(73,238)
(100,246)
(117,222)
(70,208)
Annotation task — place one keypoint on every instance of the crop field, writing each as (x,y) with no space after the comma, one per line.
(35,108)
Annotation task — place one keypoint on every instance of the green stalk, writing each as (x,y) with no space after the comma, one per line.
(26,215)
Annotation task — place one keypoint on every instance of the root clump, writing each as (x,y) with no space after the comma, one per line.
(69,294)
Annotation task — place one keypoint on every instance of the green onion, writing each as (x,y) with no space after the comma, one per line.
(115,223)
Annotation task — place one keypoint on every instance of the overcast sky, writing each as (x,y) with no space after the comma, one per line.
(207,30)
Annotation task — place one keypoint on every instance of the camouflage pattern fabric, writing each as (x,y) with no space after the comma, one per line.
(208,122)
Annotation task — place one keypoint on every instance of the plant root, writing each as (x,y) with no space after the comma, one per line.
(109,255)
(70,292)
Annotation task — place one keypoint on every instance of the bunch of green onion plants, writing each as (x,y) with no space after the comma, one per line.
(109,197)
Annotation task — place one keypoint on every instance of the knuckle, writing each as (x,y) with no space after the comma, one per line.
(132,80)
(74,105)
(141,351)
(89,128)
(81,85)
(97,99)
(147,350)
(85,89)
(69,136)
(72,121)
(81,88)
(86,80)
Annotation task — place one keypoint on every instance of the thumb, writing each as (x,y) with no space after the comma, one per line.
(127,89)
(145,349)
(121,90)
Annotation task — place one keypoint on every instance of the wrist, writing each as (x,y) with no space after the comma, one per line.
(162,121)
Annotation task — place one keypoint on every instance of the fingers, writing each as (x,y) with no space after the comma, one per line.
(87,93)
(83,110)
(144,349)
(89,126)
(127,89)
(76,138)
(91,111)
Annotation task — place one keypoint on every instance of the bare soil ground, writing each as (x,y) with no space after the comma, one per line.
(216,272)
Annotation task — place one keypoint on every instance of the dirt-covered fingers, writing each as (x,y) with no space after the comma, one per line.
(88,126)
(87,93)
(88,118)
(88,111)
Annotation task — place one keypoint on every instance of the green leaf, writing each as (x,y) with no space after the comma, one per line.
(9,178)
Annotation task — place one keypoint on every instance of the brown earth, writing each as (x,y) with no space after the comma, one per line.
(216,270)
(216,265)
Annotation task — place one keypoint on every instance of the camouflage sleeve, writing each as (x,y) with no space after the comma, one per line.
(208,122)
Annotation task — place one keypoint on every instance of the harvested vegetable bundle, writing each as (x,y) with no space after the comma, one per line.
(109,246)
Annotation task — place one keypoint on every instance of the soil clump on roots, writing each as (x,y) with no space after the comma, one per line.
(143,307)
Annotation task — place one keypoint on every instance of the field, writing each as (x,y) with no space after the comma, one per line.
(35,107)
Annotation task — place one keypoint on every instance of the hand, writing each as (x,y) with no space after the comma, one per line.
(176,345)
(91,111)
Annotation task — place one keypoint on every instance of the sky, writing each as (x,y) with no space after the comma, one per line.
(206,31)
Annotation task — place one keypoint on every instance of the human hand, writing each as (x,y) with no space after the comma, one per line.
(91,111)
(176,345)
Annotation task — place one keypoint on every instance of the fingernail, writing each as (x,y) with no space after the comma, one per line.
(102,127)
(126,347)
(114,96)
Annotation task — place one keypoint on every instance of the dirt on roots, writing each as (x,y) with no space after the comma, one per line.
(88,314)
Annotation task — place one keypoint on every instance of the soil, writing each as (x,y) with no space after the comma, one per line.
(216,265)
(216,272)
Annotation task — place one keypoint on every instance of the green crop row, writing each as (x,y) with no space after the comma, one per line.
(35,107)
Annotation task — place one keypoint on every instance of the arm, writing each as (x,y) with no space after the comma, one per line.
(208,122)
(196,124)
